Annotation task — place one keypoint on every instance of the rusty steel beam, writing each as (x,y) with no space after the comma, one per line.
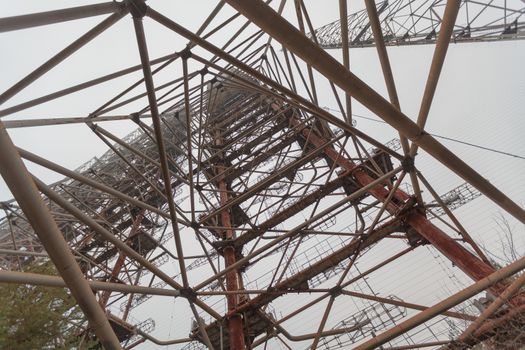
(57,16)
(454,314)
(235,321)
(276,26)
(507,294)
(443,40)
(233,282)
(55,281)
(24,190)
(444,305)
(468,263)
(11,124)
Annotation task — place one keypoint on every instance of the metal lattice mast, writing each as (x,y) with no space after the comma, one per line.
(408,22)
(281,199)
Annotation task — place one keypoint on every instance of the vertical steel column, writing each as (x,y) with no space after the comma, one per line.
(235,321)
(24,190)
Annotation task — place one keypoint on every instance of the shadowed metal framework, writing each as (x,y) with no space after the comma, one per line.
(283,201)
(408,22)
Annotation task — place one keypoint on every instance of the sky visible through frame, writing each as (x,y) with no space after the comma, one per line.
(479,98)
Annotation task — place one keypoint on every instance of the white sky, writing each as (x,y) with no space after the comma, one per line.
(480,99)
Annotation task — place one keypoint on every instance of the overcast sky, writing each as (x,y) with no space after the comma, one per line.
(480,99)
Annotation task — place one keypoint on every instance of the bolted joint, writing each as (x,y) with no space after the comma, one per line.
(185,54)
(198,187)
(244,266)
(195,225)
(135,117)
(204,71)
(219,247)
(188,293)
(233,315)
(137,8)
(92,126)
(408,164)
(336,291)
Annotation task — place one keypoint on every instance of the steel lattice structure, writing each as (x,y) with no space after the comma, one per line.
(406,22)
(289,207)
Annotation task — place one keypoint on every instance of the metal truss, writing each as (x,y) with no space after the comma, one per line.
(409,22)
(289,207)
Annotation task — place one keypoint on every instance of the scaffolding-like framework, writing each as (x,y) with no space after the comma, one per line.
(289,207)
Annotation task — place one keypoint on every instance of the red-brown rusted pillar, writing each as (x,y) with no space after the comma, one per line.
(235,321)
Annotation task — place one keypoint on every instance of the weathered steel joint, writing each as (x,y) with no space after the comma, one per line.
(195,225)
(408,164)
(135,117)
(137,8)
(92,126)
(185,54)
(188,293)
(336,291)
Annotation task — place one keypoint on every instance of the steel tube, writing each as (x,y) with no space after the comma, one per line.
(444,305)
(445,32)
(55,281)
(418,346)
(56,16)
(11,124)
(343,15)
(163,159)
(61,56)
(268,20)
(458,315)
(496,304)
(162,342)
(24,190)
